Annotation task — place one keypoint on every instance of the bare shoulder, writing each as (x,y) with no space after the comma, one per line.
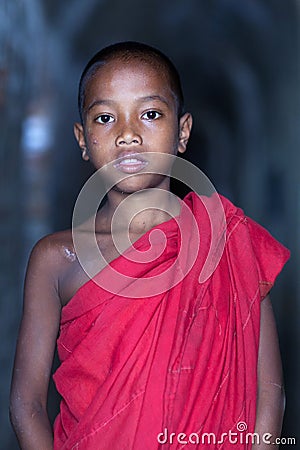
(51,255)
(54,247)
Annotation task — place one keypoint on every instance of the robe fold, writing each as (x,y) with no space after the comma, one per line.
(174,365)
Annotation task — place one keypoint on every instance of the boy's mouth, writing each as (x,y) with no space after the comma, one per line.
(130,163)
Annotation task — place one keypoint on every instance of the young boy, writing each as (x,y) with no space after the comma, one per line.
(187,362)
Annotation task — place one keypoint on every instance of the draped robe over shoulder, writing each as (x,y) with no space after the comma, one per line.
(136,369)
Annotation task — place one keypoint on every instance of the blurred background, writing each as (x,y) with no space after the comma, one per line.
(239,62)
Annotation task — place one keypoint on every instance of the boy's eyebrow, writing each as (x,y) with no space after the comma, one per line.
(100,102)
(147,98)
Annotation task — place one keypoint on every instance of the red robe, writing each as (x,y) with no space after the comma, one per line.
(181,358)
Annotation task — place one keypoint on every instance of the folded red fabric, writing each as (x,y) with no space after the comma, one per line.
(179,355)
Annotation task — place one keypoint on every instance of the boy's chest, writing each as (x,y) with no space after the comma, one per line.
(76,273)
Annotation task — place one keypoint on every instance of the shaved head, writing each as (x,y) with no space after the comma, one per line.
(127,52)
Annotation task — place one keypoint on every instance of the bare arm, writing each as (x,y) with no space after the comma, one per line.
(271,398)
(35,349)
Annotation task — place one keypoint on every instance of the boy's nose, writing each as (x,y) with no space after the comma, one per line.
(128,136)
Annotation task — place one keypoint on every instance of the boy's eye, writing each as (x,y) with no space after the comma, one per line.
(104,118)
(151,115)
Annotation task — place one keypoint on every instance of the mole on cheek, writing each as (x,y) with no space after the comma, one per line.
(93,139)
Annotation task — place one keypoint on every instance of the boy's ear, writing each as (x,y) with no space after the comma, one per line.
(185,126)
(79,135)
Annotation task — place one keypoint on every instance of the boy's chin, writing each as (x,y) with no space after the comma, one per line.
(140,182)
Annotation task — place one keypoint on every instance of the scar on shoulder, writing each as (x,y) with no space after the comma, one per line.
(69,254)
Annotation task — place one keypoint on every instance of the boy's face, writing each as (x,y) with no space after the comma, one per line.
(129,110)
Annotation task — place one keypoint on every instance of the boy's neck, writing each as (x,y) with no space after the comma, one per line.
(140,211)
